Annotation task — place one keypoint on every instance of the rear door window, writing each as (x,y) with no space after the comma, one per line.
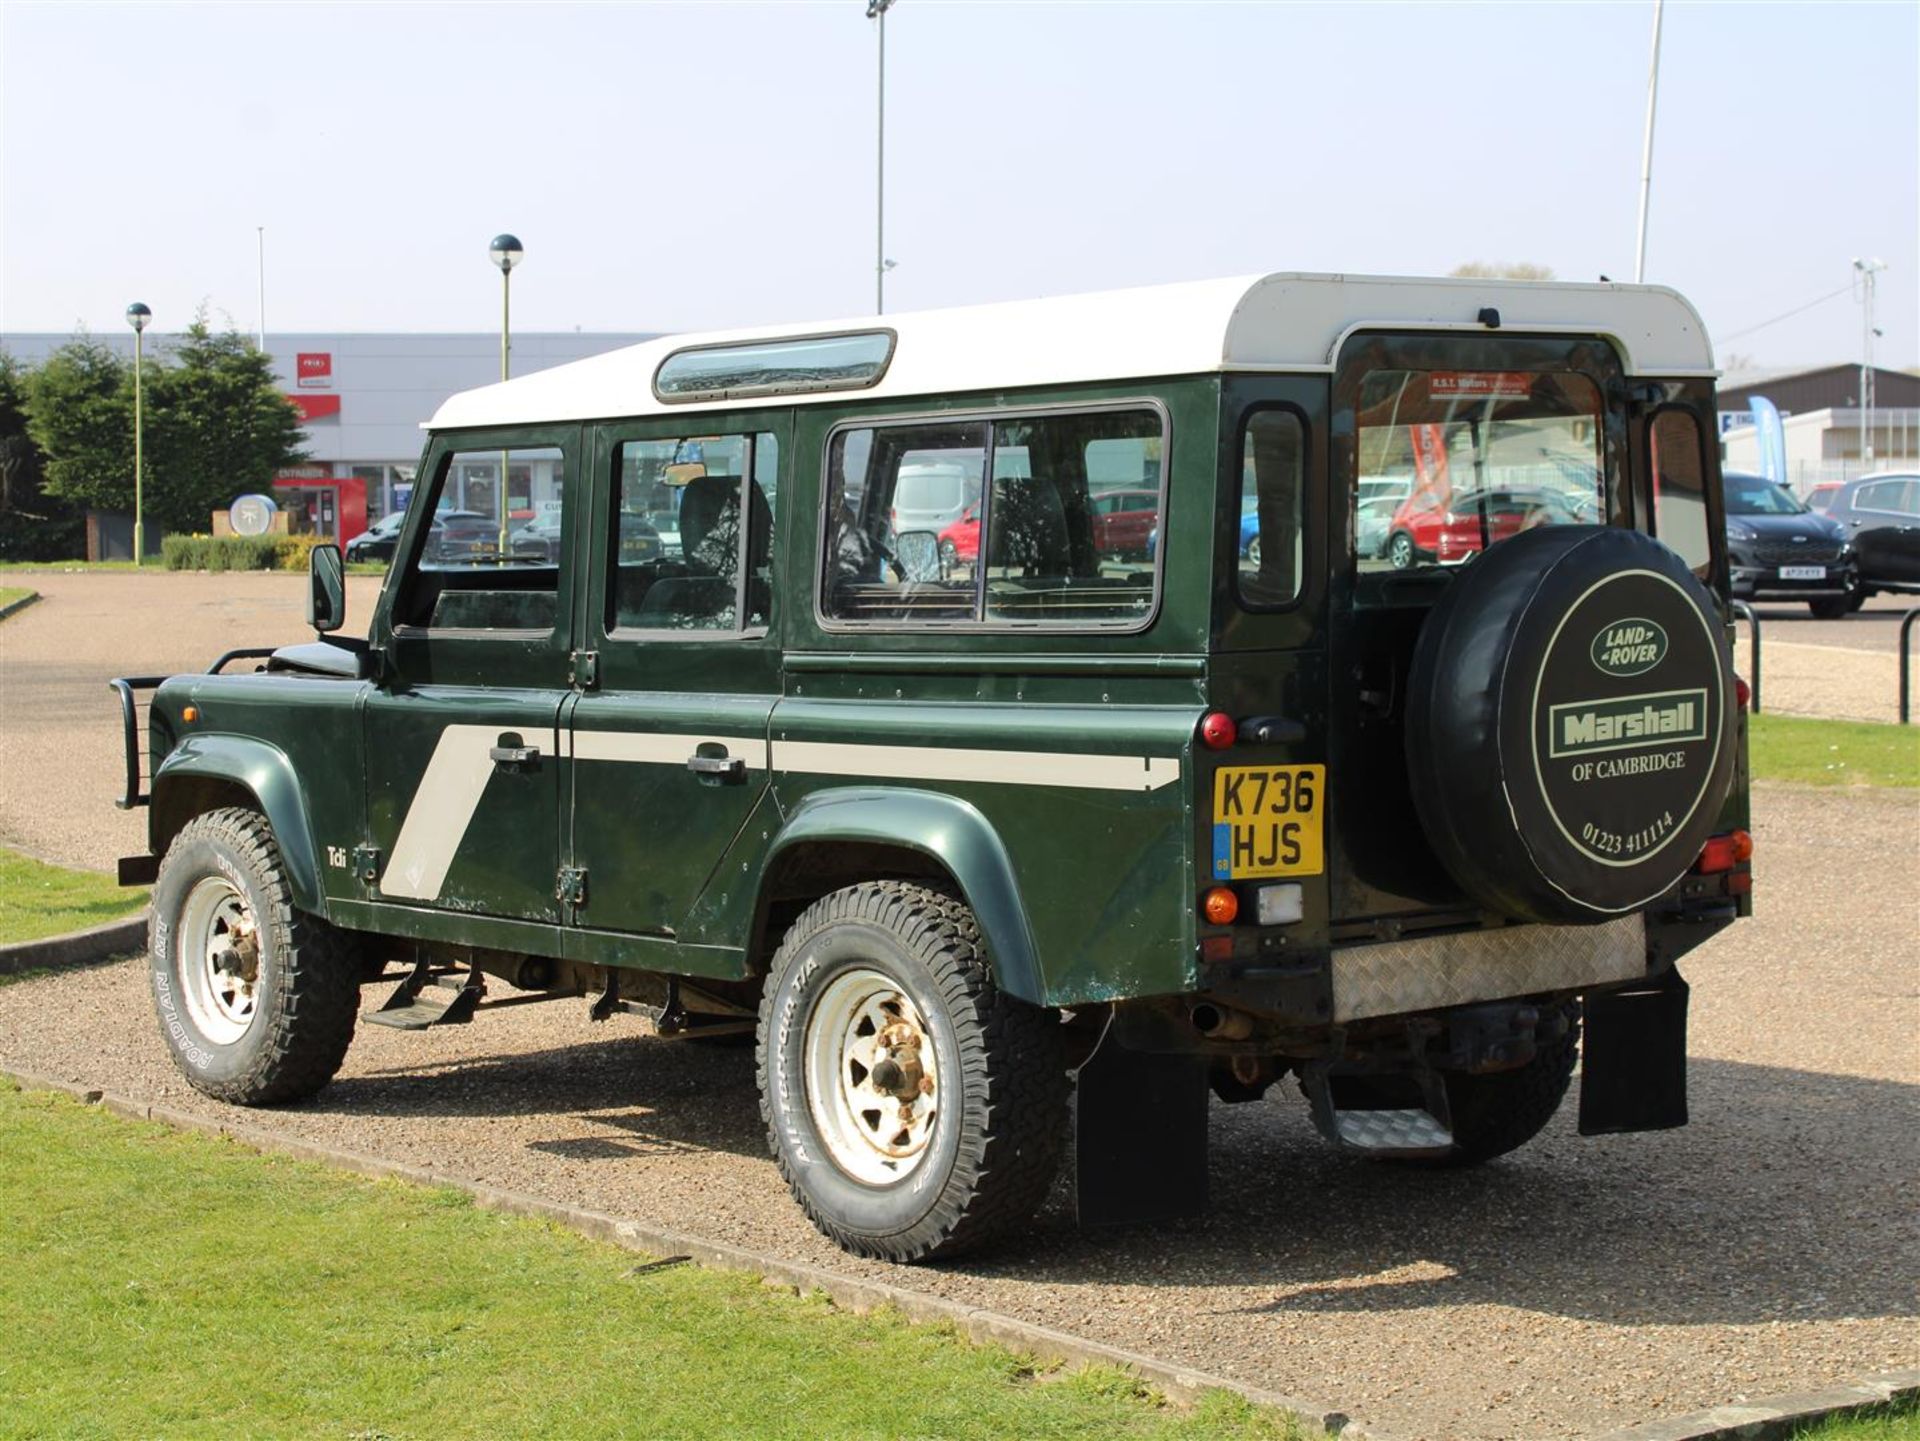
(1452,461)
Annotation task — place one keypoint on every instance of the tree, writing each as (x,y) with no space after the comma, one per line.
(80,415)
(33,524)
(220,427)
(1501,270)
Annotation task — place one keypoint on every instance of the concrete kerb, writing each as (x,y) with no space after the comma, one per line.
(848,1292)
(76,948)
(1774,1418)
(14,607)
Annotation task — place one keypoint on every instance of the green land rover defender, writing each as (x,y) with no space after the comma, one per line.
(1022,720)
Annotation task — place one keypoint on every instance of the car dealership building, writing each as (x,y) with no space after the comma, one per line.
(364,398)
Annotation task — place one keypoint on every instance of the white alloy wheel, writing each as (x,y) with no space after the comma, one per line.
(873,1083)
(219,959)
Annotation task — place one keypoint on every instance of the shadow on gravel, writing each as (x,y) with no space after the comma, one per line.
(1786,1200)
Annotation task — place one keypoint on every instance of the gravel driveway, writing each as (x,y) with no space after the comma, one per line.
(1576,1286)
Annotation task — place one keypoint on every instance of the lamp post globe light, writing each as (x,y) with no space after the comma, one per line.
(137,316)
(506,251)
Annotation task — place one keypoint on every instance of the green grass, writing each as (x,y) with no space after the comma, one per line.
(1898,1422)
(28,567)
(1833,753)
(160,1283)
(38,900)
(10,593)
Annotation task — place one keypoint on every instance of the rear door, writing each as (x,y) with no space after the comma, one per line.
(1489,435)
(1884,525)
(669,742)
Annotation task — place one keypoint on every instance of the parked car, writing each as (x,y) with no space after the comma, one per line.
(1880,516)
(458,535)
(1122,521)
(1820,497)
(539,538)
(1455,528)
(377,542)
(1372,524)
(961,540)
(1777,549)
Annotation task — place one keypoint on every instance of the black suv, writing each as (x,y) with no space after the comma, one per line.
(1777,549)
(1880,516)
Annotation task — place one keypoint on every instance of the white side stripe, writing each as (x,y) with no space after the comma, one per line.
(441,809)
(941,763)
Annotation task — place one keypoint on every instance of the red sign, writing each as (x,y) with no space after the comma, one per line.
(1479,385)
(313,407)
(294,474)
(314,369)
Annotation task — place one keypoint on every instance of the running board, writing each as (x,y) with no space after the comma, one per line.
(1340,1113)
(406,1011)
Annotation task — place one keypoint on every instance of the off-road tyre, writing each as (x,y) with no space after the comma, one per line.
(993,1148)
(307,992)
(1502,1111)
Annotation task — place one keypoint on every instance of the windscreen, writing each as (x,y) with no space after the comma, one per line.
(1755,495)
(1450,462)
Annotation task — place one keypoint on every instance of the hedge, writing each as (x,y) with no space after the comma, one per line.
(237,552)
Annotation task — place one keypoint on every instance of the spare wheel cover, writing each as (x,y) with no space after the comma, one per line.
(1569,739)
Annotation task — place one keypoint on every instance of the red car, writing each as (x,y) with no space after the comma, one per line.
(961,540)
(1456,528)
(1123,519)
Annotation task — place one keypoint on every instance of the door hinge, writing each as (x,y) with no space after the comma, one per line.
(571,887)
(366,863)
(586,669)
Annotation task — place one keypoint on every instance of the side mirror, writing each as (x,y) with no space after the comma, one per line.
(326,589)
(918,552)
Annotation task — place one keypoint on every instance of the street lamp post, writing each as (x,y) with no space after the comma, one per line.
(506,251)
(877,10)
(1868,270)
(137,316)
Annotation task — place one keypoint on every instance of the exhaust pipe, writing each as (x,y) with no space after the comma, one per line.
(1218,1023)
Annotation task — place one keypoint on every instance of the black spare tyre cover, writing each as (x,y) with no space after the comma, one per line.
(1569,739)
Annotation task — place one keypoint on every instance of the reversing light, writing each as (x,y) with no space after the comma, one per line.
(1218,730)
(1220,906)
(1723,853)
(1742,693)
(1279,905)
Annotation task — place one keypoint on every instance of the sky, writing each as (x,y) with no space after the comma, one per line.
(690,166)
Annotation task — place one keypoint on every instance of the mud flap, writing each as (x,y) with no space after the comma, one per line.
(1139,1137)
(1633,1062)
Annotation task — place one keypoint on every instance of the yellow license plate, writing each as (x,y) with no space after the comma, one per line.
(1266,821)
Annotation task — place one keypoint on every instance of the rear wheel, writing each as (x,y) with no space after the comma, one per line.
(914,1109)
(1253,552)
(257,1001)
(1400,551)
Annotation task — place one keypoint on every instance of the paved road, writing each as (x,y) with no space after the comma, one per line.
(1875,626)
(1576,1286)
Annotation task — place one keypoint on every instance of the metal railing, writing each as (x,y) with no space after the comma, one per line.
(1745,612)
(1906,665)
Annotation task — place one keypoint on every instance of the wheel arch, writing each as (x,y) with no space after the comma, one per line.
(207,772)
(838,837)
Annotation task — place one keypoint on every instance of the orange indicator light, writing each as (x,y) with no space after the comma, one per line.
(1220,906)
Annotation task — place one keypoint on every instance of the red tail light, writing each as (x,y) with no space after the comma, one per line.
(1723,853)
(1218,730)
(1742,693)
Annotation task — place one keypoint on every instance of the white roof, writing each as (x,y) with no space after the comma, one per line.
(1289,322)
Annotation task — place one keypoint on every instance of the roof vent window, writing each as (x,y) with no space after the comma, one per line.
(775,367)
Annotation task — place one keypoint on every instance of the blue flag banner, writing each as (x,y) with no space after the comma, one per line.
(1772,439)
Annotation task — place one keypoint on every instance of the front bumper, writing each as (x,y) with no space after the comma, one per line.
(1765,582)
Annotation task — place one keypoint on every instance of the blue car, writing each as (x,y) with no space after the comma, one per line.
(1249,533)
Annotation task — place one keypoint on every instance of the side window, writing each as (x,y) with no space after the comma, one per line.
(683,560)
(1896,497)
(1272,472)
(1679,489)
(494,547)
(1043,520)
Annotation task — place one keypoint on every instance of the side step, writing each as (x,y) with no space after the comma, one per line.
(1405,1115)
(404,1010)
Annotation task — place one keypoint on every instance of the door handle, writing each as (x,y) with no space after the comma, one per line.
(514,755)
(729,768)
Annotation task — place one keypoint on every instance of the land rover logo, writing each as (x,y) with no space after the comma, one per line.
(1629,647)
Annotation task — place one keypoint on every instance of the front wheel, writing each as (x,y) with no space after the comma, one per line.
(915,1110)
(256,1000)
(1253,552)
